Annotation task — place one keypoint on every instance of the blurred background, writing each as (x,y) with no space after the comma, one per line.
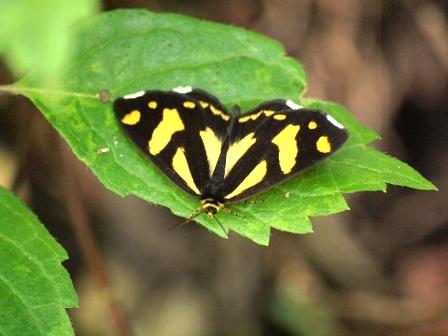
(379,269)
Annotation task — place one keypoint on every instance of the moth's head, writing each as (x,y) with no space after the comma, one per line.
(211,212)
(211,207)
(236,110)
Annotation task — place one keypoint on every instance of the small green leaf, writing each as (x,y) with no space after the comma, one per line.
(36,35)
(34,287)
(133,50)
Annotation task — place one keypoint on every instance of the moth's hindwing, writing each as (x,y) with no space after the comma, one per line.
(180,133)
(275,141)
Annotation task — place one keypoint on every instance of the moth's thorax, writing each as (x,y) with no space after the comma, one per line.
(213,190)
(211,206)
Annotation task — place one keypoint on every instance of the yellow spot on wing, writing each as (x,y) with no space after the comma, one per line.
(312,125)
(323,145)
(212,146)
(217,112)
(131,118)
(254,177)
(255,116)
(189,105)
(152,105)
(287,147)
(237,150)
(180,166)
(279,117)
(247,118)
(170,124)
(214,110)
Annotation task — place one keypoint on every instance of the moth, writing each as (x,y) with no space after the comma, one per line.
(222,157)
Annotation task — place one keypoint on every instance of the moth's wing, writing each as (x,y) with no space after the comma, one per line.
(173,130)
(275,141)
(215,113)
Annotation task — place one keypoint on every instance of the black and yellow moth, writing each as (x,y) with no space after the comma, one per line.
(222,157)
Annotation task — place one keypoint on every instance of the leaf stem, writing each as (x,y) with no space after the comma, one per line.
(15,90)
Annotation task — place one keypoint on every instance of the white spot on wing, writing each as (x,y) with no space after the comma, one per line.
(334,122)
(183,89)
(293,105)
(134,95)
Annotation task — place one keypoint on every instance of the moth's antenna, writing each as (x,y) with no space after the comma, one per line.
(222,227)
(196,213)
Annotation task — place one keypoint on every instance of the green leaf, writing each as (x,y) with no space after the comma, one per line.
(34,287)
(35,34)
(133,50)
